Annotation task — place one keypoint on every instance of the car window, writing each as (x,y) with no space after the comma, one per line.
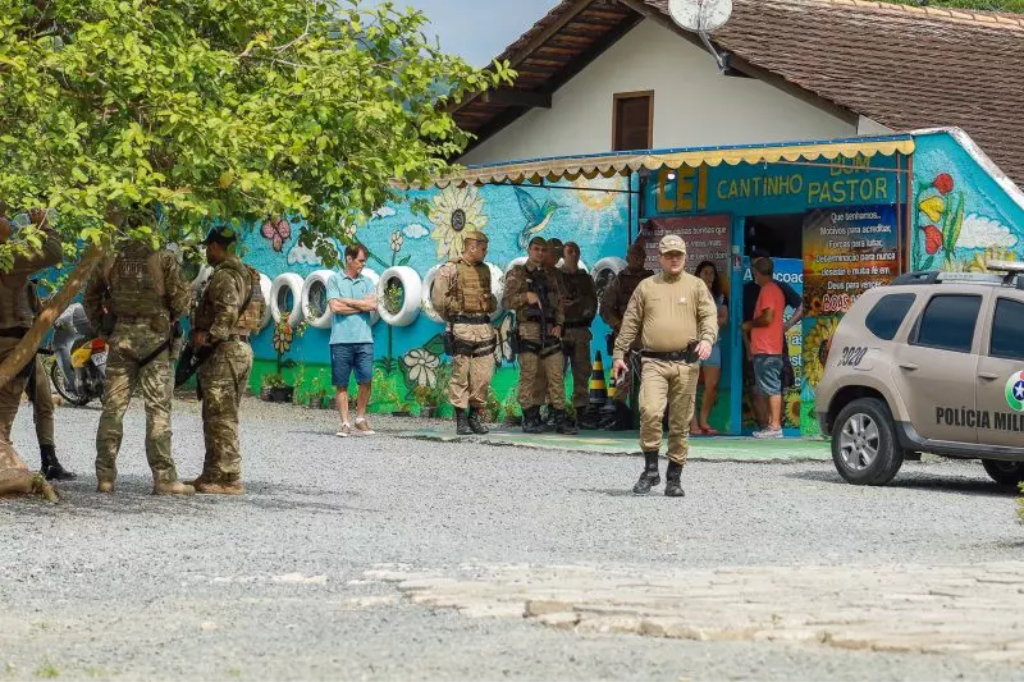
(885,318)
(948,322)
(1008,330)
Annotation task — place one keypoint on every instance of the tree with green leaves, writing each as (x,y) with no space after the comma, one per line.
(153,119)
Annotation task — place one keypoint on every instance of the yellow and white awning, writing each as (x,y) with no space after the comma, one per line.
(608,165)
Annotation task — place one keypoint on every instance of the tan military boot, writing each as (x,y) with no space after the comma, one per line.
(105,487)
(231,488)
(172,488)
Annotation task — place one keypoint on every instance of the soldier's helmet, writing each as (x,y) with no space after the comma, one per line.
(223,235)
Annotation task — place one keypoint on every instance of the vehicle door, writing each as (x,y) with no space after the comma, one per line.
(934,371)
(1000,380)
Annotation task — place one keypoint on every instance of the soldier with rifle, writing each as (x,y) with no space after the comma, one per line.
(230,309)
(537,305)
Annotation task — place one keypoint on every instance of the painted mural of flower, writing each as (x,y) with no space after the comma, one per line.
(792,410)
(933,207)
(422,367)
(456,211)
(396,241)
(282,336)
(980,262)
(277,230)
(817,345)
(944,183)
(932,239)
(503,348)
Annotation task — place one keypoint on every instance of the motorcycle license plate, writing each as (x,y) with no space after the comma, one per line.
(99,358)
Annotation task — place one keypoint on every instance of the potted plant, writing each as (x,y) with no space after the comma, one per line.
(318,398)
(275,390)
(394,296)
(275,387)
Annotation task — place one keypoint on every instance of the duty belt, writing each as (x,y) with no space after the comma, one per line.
(238,337)
(473,349)
(552,347)
(688,355)
(577,325)
(13,332)
(470,319)
(140,318)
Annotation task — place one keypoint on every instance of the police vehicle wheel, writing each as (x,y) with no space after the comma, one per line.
(1004,473)
(864,447)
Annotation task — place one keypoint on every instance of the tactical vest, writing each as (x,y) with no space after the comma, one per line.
(248,281)
(571,283)
(15,306)
(472,289)
(136,284)
(628,281)
(539,283)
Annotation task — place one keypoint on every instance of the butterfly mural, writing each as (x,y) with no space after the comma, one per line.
(277,231)
(503,350)
(537,216)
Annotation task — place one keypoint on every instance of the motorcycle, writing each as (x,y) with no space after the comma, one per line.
(89,362)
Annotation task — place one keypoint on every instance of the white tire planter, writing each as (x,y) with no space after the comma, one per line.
(497,288)
(318,279)
(608,267)
(514,262)
(374,278)
(205,272)
(266,286)
(412,289)
(284,284)
(425,303)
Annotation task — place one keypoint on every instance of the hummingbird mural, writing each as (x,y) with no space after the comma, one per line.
(537,216)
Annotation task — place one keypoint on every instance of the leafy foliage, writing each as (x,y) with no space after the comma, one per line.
(987,5)
(153,118)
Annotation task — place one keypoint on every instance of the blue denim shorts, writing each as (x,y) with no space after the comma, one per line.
(349,357)
(768,374)
(715,359)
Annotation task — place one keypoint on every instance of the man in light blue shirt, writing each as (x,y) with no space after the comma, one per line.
(352,298)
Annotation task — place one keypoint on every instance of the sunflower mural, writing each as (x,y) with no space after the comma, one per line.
(818,335)
(456,211)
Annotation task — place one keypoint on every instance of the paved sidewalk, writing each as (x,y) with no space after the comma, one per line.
(974,610)
(718,449)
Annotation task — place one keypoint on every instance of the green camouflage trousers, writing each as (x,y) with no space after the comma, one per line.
(222,380)
(130,343)
(10,393)
(41,395)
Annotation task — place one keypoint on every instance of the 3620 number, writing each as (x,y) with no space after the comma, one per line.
(852,356)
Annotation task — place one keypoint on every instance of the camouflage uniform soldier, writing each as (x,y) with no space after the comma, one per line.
(580,309)
(463,296)
(676,321)
(41,396)
(16,314)
(613,308)
(535,299)
(143,291)
(230,309)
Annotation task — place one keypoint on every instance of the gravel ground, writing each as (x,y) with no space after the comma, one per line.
(270,585)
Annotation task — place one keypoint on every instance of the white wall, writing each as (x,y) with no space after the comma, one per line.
(694,106)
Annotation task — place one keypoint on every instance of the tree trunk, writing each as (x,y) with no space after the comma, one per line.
(27,347)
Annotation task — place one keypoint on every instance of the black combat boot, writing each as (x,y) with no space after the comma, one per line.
(462,422)
(587,419)
(51,467)
(650,476)
(550,421)
(564,425)
(531,420)
(672,488)
(474,421)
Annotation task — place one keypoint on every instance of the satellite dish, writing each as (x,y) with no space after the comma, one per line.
(700,16)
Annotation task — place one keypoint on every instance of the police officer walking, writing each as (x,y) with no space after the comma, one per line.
(580,310)
(16,313)
(464,297)
(535,299)
(230,309)
(613,306)
(676,321)
(143,290)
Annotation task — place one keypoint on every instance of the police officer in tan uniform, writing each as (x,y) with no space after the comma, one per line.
(613,307)
(16,314)
(534,296)
(463,295)
(580,310)
(552,254)
(676,321)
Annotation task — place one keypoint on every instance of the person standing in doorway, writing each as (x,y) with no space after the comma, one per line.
(675,319)
(712,367)
(766,343)
(352,298)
